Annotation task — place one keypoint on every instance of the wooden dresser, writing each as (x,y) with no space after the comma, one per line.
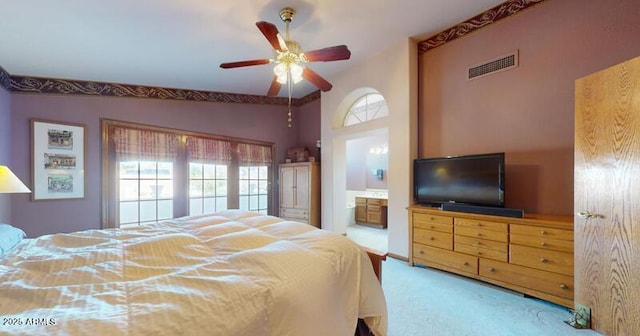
(532,255)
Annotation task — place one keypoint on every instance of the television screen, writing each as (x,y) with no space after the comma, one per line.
(470,179)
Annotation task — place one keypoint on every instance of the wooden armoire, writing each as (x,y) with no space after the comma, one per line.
(607,197)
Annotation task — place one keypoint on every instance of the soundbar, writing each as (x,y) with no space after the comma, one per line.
(484,210)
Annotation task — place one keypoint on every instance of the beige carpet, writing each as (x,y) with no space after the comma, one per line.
(423,301)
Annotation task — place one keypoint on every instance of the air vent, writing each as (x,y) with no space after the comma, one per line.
(499,64)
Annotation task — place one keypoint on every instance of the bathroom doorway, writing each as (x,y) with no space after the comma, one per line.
(367,167)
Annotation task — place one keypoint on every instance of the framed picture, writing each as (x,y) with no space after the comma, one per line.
(57,160)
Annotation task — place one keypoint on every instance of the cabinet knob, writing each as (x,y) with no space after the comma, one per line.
(432,227)
(431,238)
(466,263)
(543,232)
(543,260)
(491,269)
(564,287)
(543,244)
(479,253)
(478,234)
(421,252)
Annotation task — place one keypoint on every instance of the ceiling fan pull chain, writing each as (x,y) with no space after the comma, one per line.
(289,84)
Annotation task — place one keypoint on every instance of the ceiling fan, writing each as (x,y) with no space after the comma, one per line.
(290,59)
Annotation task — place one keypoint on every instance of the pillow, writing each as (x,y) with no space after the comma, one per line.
(9,237)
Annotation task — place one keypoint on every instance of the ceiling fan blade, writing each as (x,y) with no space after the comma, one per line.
(274,89)
(244,63)
(270,31)
(316,79)
(335,53)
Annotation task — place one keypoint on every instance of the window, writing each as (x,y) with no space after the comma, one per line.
(146,191)
(151,174)
(207,188)
(254,183)
(369,107)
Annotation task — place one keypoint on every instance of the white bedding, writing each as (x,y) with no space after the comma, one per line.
(232,273)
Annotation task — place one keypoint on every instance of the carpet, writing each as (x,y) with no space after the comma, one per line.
(424,301)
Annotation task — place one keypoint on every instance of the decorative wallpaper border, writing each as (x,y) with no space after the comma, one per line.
(5,79)
(490,16)
(40,85)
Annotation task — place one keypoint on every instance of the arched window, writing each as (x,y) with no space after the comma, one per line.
(368,107)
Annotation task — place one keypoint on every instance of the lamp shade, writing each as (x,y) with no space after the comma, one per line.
(10,183)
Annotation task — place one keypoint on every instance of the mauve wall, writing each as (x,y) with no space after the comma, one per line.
(259,122)
(361,163)
(5,150)
(307,117)
(526,112)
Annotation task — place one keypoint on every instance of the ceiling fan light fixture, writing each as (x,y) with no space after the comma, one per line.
(281,71)
(296,73)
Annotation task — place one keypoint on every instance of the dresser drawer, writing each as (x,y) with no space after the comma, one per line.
(461,262)
(481,233)
(294,213)
(546,260)
(481,252)
(433,238)
(542,242)
(542,232)
(434,225)
(487,244)
(551,283)
(421,219)
(482,224)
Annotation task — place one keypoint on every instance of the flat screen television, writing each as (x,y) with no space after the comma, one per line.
(470,179)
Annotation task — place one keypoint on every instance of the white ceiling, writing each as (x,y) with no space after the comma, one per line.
(180,43)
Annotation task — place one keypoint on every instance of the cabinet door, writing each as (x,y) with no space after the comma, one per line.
(287,187)
(373,214)
(361,213)
(301,188)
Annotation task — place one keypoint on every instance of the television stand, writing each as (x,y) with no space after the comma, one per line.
(532,255)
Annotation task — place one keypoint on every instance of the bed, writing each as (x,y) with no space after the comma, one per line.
(230,273)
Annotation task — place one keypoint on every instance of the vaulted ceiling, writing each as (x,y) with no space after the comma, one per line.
(180,43)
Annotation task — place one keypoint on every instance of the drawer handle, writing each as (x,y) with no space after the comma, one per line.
(491,269)
(479,253)
(478,225)
(466,263)
(478,234)
(564,287)
(543,260)
(543,232)
(543,244)
(421,252)
(432,227)
(431,238)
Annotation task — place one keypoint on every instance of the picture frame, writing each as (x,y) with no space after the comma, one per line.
(57,160)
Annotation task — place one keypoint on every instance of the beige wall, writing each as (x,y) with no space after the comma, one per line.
(526,112)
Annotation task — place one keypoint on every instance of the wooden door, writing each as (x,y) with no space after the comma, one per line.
(607,191)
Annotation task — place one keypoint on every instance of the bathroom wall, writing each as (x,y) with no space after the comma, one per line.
(364,157)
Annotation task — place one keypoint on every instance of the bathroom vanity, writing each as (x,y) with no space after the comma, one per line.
(371,211)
